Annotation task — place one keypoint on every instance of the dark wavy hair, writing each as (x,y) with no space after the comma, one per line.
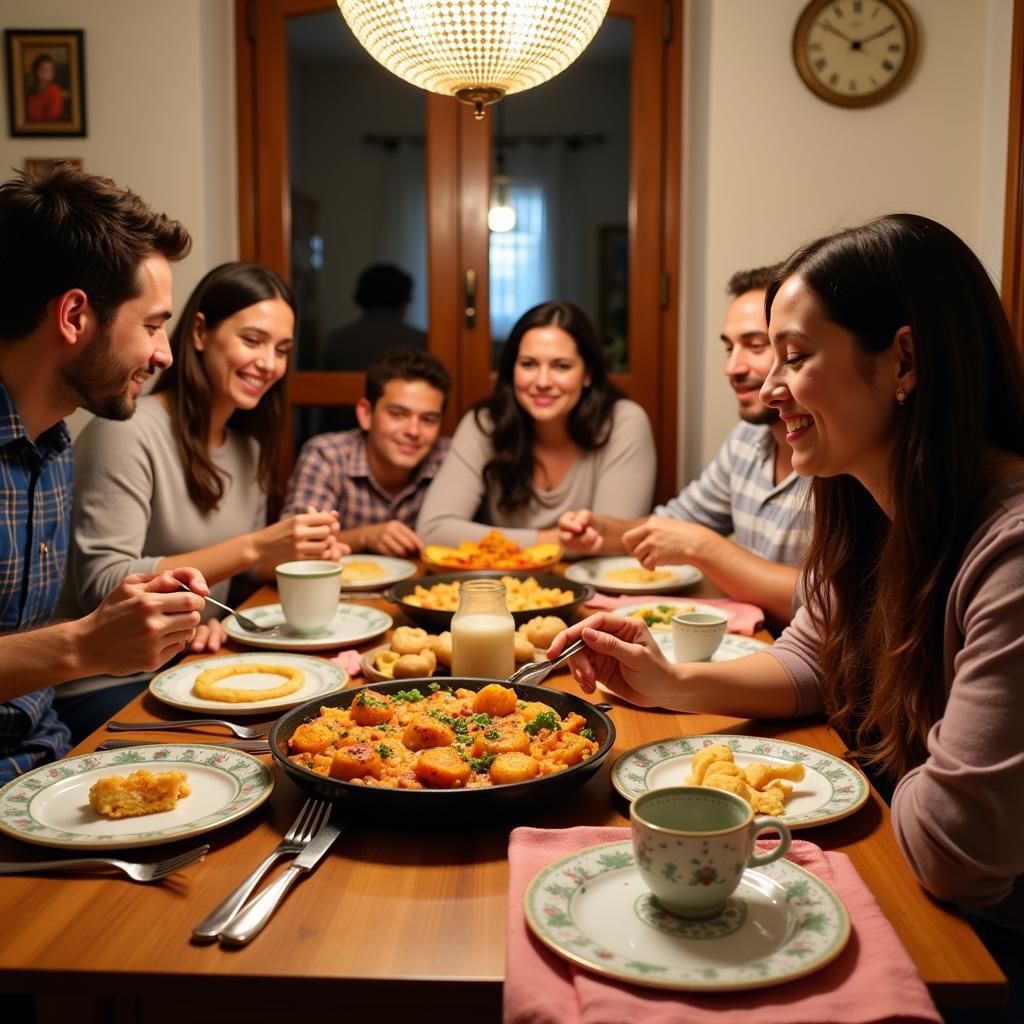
(220,294)
(877,589)
(510,427)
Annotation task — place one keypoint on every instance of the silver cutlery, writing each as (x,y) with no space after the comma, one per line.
(139,872)
(534,674)
(245,732)
(244,621)
(249,746)
(312,816)
(249,921)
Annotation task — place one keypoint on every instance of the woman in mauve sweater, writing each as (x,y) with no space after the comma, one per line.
(554,435)
(902,389)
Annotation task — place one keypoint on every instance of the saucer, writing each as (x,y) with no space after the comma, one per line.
(592,908)
(352,624)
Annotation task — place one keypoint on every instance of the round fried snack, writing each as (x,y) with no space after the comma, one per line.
(206,682)
(540,631)
(523,647)
(409,640)
(441,645)
(416,666)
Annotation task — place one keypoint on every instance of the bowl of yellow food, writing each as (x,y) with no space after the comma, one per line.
(433,600)
(493,551)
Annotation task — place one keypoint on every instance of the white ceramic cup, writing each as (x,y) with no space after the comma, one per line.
(692,845)
(696,635)
(309,594)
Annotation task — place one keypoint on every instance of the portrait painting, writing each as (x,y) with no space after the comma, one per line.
(45,82)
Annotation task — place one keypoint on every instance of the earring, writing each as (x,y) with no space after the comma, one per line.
(901,396)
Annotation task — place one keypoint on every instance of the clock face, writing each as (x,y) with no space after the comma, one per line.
(854,52)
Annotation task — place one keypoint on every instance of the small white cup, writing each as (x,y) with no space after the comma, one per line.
(696,635)
(693,844)
(309,594)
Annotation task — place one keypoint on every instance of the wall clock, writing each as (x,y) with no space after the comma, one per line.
(854,52)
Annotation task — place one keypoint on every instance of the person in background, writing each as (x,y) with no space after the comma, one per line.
(191,473)
(902,390)
(45,99)
(554,435)
(375,477)
(84,296)
(744,522)
(383,293)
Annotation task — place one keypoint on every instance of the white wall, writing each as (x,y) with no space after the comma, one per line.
(160,107)
(769,165)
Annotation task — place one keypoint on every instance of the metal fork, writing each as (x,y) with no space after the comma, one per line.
(312,816)
(537,673)
(139,872)
(245,732)
(249,746)
(244,621)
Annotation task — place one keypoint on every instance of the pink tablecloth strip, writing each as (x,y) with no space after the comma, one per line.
(746,618)
(349,661)
(871,981)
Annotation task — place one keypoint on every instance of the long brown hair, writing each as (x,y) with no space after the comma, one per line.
(512,434)
(221,293)
(877,589)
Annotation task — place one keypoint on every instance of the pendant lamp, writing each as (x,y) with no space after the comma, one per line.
(475,50)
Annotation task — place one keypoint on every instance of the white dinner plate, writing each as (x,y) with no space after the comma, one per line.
(392,570)
(831,789)
(595,572)
(592,908)
(677,605)
(50,804)
(174,685)
(353,623)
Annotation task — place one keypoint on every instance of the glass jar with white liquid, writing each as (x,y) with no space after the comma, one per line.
(483,631)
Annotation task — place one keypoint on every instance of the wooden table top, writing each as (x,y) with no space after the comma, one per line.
(393,916)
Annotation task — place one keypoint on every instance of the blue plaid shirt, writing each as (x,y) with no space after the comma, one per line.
(36,484)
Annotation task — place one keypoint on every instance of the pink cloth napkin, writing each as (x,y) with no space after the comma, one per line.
(746,618)
(349,661)
(871,981)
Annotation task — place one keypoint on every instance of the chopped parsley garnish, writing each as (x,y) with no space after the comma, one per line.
(545,720)
(441,716)
(433,687)
(384,750)
(588,734)
(483,720)
(464,739)
(368,700)
(460,727)
(406,696)
(482,764)
(491,734)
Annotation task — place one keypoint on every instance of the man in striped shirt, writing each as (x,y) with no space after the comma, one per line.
(85,291)
(745,522)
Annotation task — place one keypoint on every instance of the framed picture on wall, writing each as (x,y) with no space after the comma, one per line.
(45,82)
(613,294)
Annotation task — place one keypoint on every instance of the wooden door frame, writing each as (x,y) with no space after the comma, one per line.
(458,197)
(1013,217)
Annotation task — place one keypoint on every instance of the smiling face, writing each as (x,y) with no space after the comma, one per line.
(108,375)
(402,426)
(246,354)
(836,401)
(748,355)
(549,375)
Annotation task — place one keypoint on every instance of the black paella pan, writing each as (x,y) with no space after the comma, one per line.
(441,620)
(440,804)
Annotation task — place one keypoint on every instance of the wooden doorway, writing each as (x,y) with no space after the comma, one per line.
(629,267)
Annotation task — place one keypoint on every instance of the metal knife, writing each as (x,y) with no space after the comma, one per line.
(249,921)
(250,746)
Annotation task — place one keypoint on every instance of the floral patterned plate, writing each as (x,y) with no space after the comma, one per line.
(174,685)
(593,908)
(831,788)
(595,572)
(50,805)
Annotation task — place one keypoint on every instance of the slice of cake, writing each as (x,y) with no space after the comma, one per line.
(120,796)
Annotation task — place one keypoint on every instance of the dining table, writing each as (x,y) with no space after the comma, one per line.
(401,917)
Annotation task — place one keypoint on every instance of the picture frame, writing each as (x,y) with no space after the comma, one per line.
(45,82)
(613,294)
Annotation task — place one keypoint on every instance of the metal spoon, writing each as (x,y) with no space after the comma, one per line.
(244,621)
(534,674)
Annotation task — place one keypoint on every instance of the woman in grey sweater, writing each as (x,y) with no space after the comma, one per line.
(902,389)
(554,435)
(188,476)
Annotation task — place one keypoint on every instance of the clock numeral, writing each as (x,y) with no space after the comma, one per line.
(852,87)
(838,10)
(874,81)
(888,65)
(895,47)
(858,6)
(820,63)
(814,46)
(833,79)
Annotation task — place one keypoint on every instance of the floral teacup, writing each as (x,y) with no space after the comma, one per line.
(692,845)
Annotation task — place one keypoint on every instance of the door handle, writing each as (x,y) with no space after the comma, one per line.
(470,309)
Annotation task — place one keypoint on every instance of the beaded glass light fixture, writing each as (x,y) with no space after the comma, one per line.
(475,50)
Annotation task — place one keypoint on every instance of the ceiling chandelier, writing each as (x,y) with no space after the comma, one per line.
(475,50)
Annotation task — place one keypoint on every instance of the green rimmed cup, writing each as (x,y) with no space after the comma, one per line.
(309,593)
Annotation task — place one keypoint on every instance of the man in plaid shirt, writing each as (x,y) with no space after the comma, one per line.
(84,295)
(376,476)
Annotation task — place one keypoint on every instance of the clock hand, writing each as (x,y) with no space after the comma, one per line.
(875,35)
(827,27)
